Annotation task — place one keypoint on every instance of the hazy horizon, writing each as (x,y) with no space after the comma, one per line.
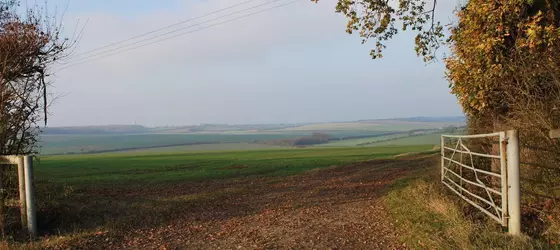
(280,123)
(293,64)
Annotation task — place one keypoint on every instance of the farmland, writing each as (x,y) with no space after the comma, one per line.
(76,144)
(62,144)
(390,140)
(366,140)
(428,139)
(234,146)
(235,191)
(221,186)
(310,198)
(99,198)
(194,166)
(101,139)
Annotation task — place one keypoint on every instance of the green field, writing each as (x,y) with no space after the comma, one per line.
(234,146)
(63,144)
(101,139)
(430,139)
(121,194)
(356,142)
(400,139)
(121,168)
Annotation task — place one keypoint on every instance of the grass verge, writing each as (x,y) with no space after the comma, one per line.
(429,217)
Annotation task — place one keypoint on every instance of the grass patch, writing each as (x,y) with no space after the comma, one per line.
(202,148)
(121,169)
(429,217)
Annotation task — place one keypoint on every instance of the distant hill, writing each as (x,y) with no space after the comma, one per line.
(391,125)
(445,119)
(220,128)
(93,130)
(431,119)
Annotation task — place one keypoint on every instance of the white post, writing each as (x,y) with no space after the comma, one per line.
(21,183)
(513,183)
(461,168)
(30,196)
(442,159)
(504,173)
(2,200)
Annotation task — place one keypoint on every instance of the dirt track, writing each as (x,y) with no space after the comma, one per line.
(335,208)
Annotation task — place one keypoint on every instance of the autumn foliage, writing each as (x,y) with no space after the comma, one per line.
(29,45)
(504,68)
(492,42)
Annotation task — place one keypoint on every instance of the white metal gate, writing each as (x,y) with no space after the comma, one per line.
(477,185)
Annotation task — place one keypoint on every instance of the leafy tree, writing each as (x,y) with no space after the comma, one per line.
(504,68)
(29,44)
(381,20)
(488,36)
(486,46)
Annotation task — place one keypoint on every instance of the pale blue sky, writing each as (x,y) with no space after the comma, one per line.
(292,64)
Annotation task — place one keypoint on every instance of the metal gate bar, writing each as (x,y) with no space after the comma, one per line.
(496,211)
(507,212)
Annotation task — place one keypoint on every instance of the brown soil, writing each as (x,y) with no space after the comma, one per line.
(334,208)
